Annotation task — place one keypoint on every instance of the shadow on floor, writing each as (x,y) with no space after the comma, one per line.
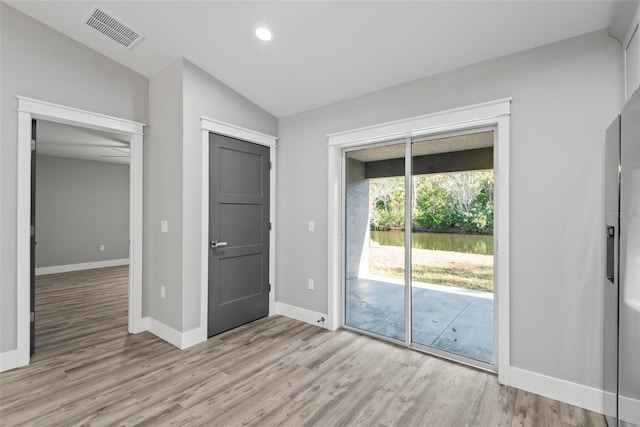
(457,322)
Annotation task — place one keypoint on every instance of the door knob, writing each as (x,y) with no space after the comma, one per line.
(216,244)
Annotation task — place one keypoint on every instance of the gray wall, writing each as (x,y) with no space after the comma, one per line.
(564,97)
(206,96)
(162,252)
(80,205)
(41,63)
(178,97)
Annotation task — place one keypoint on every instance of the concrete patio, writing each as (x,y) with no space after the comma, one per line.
(452,319)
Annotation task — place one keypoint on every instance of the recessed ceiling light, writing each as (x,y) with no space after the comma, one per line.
(263,34)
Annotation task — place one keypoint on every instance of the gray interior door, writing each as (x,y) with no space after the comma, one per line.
(238,233)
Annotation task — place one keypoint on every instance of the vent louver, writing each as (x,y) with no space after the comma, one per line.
(113,28)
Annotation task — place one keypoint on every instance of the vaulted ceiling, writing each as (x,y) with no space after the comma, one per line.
(322,52)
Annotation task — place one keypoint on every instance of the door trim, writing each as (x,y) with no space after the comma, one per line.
(493,113)
(222,128)
(29,109)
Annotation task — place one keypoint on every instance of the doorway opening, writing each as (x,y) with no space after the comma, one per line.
(80,198)
(419,244)
(28,110)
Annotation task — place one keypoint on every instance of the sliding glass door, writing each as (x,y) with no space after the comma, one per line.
(419,244)
(452,246)
(374,272)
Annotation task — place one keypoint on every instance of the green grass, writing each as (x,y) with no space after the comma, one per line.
(469,271)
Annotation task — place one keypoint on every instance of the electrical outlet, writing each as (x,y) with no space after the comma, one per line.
(310,284)
(162,292)
(311,226)
(102,247)
(164,226)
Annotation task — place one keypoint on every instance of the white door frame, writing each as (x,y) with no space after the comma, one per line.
(243,134)
(494,113)
(29,109)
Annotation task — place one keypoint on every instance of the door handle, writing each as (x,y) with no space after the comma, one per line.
(611,233)
(216,244)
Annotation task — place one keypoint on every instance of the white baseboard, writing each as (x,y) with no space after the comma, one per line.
(301,314)
(193,337)
(181,340)
(610,404)
(629,410)
(82,266)
(554,388)
(8,360)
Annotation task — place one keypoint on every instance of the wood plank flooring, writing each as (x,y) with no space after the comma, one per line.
(275,371)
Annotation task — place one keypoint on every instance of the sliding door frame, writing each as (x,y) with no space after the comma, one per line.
(490,114)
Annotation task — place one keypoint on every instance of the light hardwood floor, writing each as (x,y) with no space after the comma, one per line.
(275,371)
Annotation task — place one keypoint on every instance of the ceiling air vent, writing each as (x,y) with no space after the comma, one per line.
(113,28)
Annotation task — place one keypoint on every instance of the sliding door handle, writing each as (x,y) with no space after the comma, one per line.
(216,244)
(611,238)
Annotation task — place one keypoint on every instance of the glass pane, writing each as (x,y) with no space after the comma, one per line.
(452,245)
(374,240)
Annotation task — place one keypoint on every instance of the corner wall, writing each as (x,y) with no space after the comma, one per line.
(162,252)
(564,97)
(204,95)
(179,96)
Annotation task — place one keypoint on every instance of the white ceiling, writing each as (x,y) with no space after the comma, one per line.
(323,52)
(60,140)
